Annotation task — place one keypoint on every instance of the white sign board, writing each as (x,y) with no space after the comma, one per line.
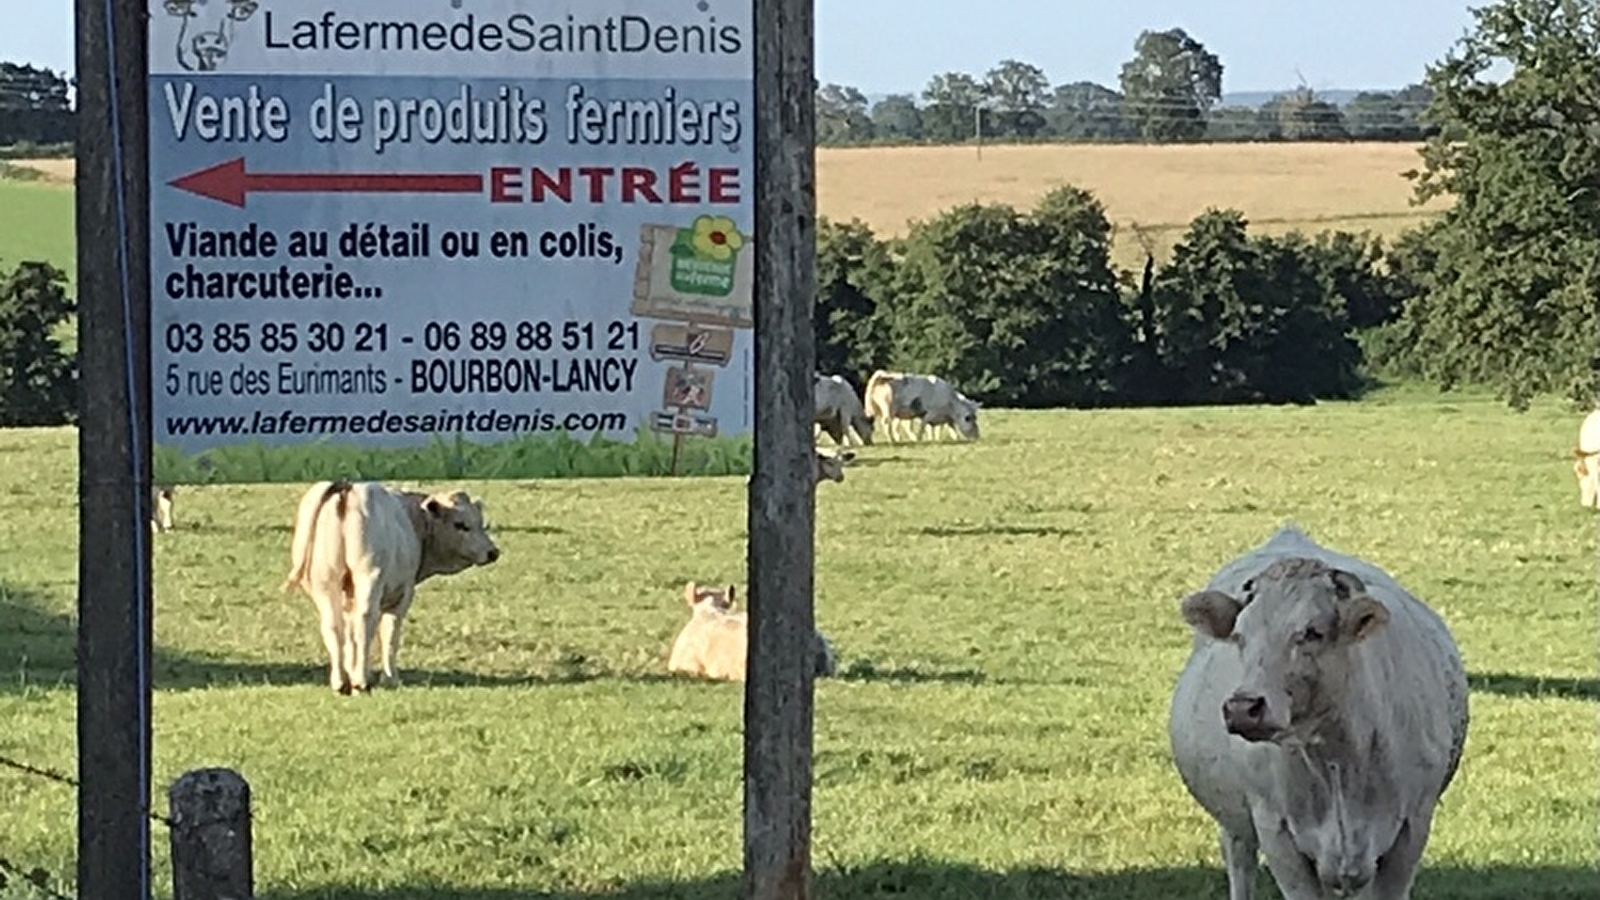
(429,238)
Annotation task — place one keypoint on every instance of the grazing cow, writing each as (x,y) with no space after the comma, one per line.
(1586,460)
(1320,716)
(923,399)
(161,508)
(830,466)
(839,410)
(360,550)
(714,642)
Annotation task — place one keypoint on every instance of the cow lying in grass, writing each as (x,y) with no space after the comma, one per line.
(360,550)
(714,642)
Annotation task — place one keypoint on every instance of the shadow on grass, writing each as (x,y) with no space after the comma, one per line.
(1534,687)
(956,881)
(996,529)
(38,649)
(867,672)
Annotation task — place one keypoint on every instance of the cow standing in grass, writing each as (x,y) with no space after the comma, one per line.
(926,400)
(839,411)
(360,550)
(1320,717)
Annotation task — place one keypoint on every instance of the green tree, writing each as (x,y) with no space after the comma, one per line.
(1242,319)
(35,106)
(1300,115)
(1511,300)
(949,103)
(1085,111)
(1017,92)
(842,115)
(1014,308)
(1379,116)
(851,324)
(38,382)
(897,117)
(1169,85)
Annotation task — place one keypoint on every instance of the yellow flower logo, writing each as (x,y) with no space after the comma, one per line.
(715,237)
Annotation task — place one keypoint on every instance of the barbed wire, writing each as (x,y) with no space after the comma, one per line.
(60,778)
(39,878)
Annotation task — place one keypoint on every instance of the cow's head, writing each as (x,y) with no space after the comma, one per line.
(207,29)
(830,466)
(1295,632)
(456,538)
(708,596)
(863,425)
(965,418)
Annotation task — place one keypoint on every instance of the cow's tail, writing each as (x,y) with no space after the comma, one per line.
(305,530)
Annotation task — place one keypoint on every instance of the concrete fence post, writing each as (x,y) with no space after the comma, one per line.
(211,840)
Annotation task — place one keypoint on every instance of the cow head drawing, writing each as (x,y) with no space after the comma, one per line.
(207,29)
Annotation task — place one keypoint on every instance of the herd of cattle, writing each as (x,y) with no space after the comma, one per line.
(1319,717)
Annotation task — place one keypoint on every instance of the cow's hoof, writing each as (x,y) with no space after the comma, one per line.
(343,690)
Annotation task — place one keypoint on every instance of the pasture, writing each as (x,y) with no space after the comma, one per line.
(1005,618)
(1154,189)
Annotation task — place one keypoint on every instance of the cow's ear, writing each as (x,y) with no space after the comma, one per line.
(1360,617)
(848,456)
(689,592)
(730,596)
(1211,613)
(431,506)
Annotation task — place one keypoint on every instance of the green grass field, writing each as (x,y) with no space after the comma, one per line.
(36,223)
(1005,617)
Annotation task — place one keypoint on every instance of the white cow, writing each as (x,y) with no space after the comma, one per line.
(839,410)
(1319,718)
(714,642)
(923,399)
(1586,460)
(161,508)
(360,550)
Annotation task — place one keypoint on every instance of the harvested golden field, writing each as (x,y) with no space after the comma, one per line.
(1279,187)
(58,170)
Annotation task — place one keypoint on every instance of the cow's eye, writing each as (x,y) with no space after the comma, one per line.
(242,10)
(1311,635)
(462,526)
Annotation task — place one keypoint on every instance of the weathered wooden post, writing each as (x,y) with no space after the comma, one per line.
(778,690)
(211,838)
(113,452)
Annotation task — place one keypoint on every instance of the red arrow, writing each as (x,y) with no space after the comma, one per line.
(229,183)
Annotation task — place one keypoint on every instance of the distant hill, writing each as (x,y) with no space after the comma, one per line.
(1229,98)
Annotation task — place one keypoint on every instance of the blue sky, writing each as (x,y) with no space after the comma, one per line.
(896,45)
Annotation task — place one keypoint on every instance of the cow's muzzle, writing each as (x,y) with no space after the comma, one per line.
(1246,716)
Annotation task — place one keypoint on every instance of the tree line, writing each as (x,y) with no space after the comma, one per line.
(1170,91)
(1024,308)
(35,108)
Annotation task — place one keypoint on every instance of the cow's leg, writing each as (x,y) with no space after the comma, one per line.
(362,626)
(1294,872)
(389,636)
(1239,852)
(331,616)
(1398,867)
